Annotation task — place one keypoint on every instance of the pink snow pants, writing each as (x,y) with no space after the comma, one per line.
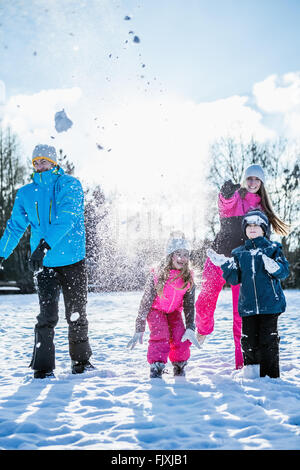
(206,305)
(166,331)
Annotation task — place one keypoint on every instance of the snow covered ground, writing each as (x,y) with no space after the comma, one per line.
(118,407)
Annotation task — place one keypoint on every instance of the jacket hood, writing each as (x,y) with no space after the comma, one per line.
(256,217)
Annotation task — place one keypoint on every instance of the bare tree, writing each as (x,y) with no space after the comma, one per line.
(229,157)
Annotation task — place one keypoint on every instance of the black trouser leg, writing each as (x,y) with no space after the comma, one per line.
(44,350)
(250,340)
(260,343)
(269,346)
(74,286)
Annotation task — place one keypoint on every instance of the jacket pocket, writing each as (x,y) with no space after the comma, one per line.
(273,287)
(50,210)
(37,212)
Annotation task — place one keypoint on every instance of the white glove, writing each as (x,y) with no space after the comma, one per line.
(190,335)
(200,338)
(137,337)
(270,265)
(215,258)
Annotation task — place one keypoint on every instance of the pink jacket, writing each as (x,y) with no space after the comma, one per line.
(174,298)
(236,205)
(173,293)
(231,211)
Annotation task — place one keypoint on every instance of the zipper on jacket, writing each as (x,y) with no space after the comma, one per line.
(37,212)
(50,211)
(173,298)
(69,212)
(272,284)
(254,285)
(171,304)
(7,242)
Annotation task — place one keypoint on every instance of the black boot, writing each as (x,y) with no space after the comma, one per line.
(80,367)
(178,368)
(43,374)
(156,370)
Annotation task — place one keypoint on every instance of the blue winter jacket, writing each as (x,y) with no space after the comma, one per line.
(53,205)
(260,292)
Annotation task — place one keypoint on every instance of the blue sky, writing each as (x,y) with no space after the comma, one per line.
(214,49)
(202,49)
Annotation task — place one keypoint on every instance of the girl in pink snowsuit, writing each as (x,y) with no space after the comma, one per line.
(234,202)
(167,293)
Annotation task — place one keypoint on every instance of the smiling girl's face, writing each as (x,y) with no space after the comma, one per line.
(253,184)
(180,258)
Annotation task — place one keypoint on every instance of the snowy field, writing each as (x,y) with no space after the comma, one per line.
(118,407)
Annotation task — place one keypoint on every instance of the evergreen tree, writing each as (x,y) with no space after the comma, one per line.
(12,176)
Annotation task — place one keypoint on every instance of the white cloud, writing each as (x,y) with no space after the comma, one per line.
(233,116)
(279,97)
(278,94)
(145,134)
(154,146)
(28,114)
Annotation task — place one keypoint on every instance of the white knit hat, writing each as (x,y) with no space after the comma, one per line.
(254,170)
(176,242)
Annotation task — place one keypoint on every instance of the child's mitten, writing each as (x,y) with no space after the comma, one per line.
(190,335)
(200,338)
(137,337)
(228,189)
(270,265)
(215,258)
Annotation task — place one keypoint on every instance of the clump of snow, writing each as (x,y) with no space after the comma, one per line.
(254,251)
(74,316)
(118,407)
(62,122)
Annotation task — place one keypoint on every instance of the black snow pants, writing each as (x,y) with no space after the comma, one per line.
(72,280)
(260,343)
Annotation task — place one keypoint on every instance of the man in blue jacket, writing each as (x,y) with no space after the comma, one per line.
(53,206)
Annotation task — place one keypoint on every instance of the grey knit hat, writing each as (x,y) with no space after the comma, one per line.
(176,242)
(254,170)
(46,152)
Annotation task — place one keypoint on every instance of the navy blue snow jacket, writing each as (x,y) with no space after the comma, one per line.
(260,291)
(53,205)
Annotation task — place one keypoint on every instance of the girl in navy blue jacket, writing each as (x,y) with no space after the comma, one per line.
(258,266)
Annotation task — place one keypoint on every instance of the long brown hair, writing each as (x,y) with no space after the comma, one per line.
(280,227)
(164,272)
